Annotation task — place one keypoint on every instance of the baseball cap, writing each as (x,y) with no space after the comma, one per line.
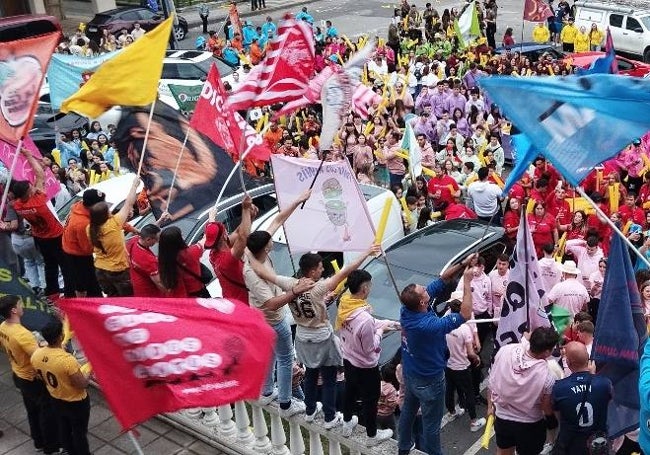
(92,197)
(213,231)
(635,229)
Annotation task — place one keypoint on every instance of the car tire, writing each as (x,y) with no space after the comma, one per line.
(180,33)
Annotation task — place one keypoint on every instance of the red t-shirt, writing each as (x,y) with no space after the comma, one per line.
(35,210)
(543,231)
(230,272)
(559,208)
(144,265)
(511,219)
(455,211)
(188,283)
(445,184)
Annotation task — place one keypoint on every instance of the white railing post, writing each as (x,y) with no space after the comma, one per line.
(278,438)
(315,444)
(244,435)
(260,430)
(194,413)
(210,417)
(334,447)
(296,442)
(227,426)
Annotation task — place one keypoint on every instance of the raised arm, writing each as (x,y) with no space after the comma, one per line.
(239,237)
(449,274)
(123,214)
(39,173)
(466,304)
(286,213)
(345,271)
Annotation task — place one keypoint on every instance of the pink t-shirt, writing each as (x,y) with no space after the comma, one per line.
(481,294)
(586,263)
(570,294)
(498,283)
(518,382)
(456,343)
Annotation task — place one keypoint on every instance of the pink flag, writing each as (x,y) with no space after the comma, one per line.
(537,11)
(284,74)
(23,171)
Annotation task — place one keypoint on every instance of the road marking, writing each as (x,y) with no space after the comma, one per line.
(477,445)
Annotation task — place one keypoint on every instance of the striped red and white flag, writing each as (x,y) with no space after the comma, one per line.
(364,97)
(284,74)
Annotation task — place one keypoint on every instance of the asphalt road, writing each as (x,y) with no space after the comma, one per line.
(357,17)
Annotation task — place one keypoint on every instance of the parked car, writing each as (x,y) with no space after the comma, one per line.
(626,66)
(627,20)
(532,51)
(118,19)
(420,258)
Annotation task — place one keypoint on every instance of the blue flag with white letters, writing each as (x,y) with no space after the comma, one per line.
(67,73)
(619,339)
(576,122)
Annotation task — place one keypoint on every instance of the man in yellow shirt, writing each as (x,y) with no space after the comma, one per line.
(541,34)
(67,386)
(568,36)
(20,344)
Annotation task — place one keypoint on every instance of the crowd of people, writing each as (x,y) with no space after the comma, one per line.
(428,81)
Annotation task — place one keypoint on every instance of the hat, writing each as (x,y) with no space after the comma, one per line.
(213,232)
(635,229)
(569,267)
(637,141)
(92,197)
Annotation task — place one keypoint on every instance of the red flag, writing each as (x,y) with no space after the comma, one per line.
(214,118)
(160,355)
(537,11)
(284,74)
(22,68)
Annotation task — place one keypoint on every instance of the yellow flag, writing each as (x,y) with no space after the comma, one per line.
(128,79)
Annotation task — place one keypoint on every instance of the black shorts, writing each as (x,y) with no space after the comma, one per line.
(528,438)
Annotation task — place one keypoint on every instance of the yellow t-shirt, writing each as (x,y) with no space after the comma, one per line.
(55,366)
(20,344)
(114,257)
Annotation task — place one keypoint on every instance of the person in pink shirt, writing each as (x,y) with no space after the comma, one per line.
(595,288)
(499,278)
(481,297)
(549,268)
(587,254)
(458,374)
(394,163)
(569,293)
(520,388)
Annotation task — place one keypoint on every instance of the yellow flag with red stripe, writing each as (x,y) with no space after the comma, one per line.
(128,79)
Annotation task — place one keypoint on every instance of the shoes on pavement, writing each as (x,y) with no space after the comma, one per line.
(456,414)
(310,417)
(265,400)
(381,436)
(335,422)
(477,424)
(548,449)
(349,426)
(296,407)
(407,451)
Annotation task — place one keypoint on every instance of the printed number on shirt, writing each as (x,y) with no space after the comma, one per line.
(303,308)
(586,417)
(50,378)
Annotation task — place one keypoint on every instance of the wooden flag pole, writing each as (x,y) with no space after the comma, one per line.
(613,226)
(178,163)
(146,137)
(12,168)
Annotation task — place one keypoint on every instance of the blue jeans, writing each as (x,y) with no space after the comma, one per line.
(428,394)
(282,363)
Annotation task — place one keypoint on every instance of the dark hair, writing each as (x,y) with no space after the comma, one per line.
(582,316)
(52,331)
(592,241)
(98,216)
(409,298)
(149,231)
(171,243)
(308,262)
(585,327)
(8,303)
(483,173)
(503,258)
(257,241)
(548,248)
(543,339)
(424,217)
(356,279)
(410,200)
(469,165)
(454,306)
(20,188)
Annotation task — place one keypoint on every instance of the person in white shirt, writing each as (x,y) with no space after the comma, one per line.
(378,66)
(499,278)
(497,151)
(462,356)
(570,293)
(587,255)
(484,197)
(549,268)
(137,32)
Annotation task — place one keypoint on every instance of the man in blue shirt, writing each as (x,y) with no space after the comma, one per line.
(580,402)
(305,16)
(424,356)
(269,26)
(330,30)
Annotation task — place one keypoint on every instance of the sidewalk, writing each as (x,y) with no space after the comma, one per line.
(155,437)
(218,13)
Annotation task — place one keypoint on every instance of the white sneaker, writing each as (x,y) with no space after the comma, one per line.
(477,424)
(265,400)
(296,407)
(310,417)
(460,411)
(548,448)
(346,431)
(381,436)
(335,422)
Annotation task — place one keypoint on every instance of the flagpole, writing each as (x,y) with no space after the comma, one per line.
(526,299)
(135,442)
(240,160)
(178,163)
(5,192)
(146,137)
(313,182)
(612,225)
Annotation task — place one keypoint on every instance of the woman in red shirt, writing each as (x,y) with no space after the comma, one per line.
(511,219)
(577,229)
(179,265)
(542,227)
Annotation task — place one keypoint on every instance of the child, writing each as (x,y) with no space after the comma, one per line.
(387,401)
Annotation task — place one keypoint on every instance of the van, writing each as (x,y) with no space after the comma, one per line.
(628,22)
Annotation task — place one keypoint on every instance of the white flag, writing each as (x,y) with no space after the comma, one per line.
(525,289)
(335,218)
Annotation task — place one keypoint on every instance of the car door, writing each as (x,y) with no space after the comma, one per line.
(616,28)
(633,35)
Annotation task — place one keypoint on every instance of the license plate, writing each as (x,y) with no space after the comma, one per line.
(92,29)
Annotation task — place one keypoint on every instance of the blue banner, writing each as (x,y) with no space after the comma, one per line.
(619,339)
(576,122)
(67,73)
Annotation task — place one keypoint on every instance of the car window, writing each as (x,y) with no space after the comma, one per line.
(130,16)
(224,69)
(632,24)
(616,20)
(624,65)
(646,22)
(170,71)
(146,14)
(491,254)
(190,72)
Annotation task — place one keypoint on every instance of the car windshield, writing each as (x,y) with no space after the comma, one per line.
(224,69)
(63,212)
(646,22)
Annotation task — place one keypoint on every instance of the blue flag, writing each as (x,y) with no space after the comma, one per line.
(619,339)
(67,73)
(576,122)
(526,153)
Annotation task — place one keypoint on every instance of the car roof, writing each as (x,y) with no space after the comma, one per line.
(523,47)
(188,54)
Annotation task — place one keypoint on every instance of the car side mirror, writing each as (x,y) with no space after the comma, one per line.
(638,30)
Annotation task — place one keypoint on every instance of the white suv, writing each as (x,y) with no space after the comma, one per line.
(628,21)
